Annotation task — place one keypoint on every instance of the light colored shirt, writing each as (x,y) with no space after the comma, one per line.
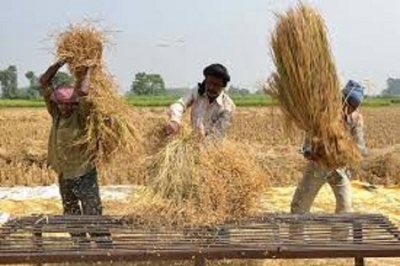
(355,124)
(215,117)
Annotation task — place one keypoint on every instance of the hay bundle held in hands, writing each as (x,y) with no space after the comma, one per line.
(172,171)
(193,183)
(109,126)
(307,85)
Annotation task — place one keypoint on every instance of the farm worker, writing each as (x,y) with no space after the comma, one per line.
(211,108)
(316,176)
(77,173)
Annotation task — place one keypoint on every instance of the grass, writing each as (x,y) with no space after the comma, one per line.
(5,103)
(166,100)
(252,100)
(152,100)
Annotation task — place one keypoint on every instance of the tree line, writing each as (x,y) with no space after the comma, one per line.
(392,87)
(153,84)
(142,84)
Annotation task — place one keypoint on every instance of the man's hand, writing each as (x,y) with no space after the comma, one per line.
(60,63)
(171,128)
(308,154)
(67,58)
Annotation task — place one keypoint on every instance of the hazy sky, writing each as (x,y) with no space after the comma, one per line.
(177,38)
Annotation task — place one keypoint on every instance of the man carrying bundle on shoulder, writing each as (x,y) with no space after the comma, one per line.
(69,108)
(315,176)
(212,109)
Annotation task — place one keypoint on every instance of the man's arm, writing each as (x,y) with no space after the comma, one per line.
(357,132)
(177,110)
(46,78)
(46,87)
(306,148)
(83,91)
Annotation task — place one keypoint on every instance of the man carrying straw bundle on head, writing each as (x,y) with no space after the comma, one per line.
(69,109)
(212,109)
(91,123)
(315,175)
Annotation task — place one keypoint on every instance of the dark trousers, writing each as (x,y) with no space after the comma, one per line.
(82,190)
(81,196)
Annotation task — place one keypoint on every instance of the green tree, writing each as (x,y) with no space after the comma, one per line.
(237,91)
(145,84)
(33,79)
(9,82)
(32,92)
(393,87)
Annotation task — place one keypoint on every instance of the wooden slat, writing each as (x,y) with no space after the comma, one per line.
(46,239)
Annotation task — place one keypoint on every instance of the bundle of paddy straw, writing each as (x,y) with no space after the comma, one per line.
(109,126)
(307,85)
(172,171)
(189,183)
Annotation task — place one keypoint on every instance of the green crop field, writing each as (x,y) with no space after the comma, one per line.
(252,100)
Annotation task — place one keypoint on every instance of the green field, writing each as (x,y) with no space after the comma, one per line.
(165,100)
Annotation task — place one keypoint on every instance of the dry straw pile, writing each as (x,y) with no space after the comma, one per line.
(110,123)
(192,183)
(382,166)
(307,85)
(172,171)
